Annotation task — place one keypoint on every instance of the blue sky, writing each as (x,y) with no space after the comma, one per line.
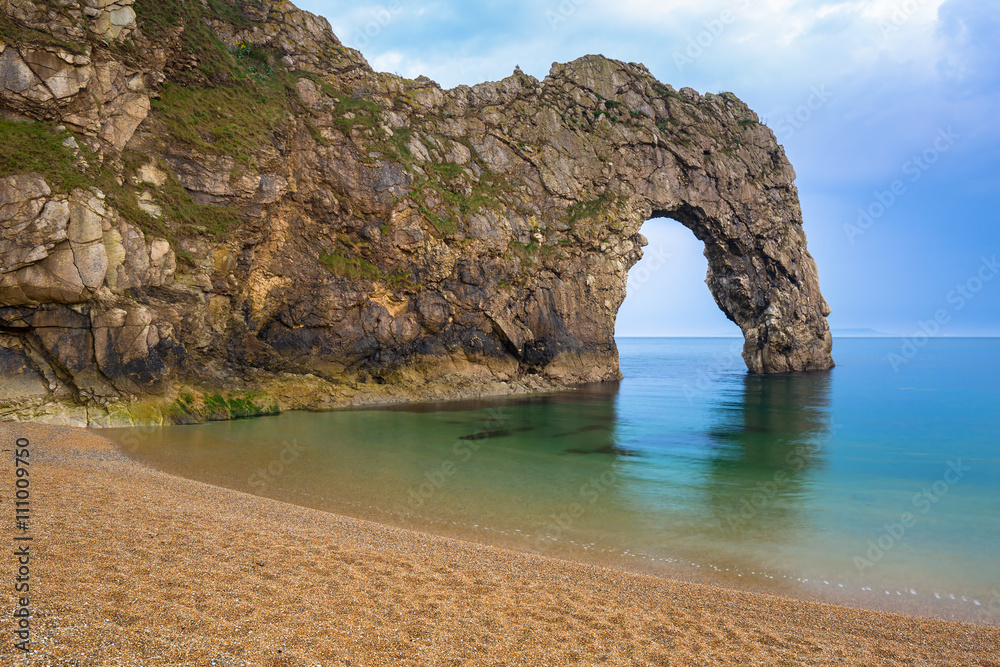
(866,96)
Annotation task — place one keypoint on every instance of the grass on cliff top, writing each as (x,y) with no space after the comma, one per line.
(231,102)
(243,114)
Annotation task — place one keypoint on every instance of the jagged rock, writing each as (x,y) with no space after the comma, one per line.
(22,382)
(442,242)
(105,100)
(18,79)
(31,224)
(110,20)
(121,116)
(206,177)
(56,279)
(122,17)
(60,72)
(271,188)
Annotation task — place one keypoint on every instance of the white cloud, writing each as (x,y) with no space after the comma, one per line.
(396,62)
(799,36)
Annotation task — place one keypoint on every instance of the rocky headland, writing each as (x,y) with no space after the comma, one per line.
(216,209)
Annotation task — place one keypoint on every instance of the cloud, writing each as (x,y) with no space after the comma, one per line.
(971,31)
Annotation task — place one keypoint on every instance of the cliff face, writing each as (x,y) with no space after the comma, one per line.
(218,207)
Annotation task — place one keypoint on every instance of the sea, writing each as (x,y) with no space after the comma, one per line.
(874,485)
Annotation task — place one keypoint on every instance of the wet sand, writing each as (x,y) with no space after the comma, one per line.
(131,566)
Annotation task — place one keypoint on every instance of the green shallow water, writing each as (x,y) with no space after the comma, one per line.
(863,486)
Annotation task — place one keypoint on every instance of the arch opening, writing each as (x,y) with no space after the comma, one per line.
(666,292)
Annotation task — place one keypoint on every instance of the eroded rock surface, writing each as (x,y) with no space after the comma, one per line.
(284,219)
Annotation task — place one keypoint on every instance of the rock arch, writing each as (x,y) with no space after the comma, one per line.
(438,242)
(635,149)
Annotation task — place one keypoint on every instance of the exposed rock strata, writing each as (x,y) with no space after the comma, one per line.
(360,236)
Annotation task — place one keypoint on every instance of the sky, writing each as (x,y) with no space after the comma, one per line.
(889,110)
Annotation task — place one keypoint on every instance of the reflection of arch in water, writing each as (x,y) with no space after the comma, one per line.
(765,447)
(577,492)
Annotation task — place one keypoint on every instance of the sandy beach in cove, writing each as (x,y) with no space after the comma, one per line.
(131,566)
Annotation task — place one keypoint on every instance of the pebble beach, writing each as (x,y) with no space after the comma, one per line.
(131,566)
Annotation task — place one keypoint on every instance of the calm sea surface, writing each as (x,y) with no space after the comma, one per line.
(869,485)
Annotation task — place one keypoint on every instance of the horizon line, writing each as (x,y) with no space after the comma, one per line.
(834,335)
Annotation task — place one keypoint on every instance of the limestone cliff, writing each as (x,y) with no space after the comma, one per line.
(217,207)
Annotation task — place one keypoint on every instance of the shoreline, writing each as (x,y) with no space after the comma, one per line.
(704,570)
(136,564)
(197,404)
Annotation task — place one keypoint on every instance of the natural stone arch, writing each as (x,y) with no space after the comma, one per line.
(441,242)
(531,282)
(770,291)
(717,171)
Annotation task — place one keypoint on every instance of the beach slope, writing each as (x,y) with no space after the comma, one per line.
(131,566)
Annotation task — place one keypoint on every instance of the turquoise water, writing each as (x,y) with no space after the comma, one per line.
(867,485)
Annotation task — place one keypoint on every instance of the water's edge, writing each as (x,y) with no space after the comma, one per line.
(769,484)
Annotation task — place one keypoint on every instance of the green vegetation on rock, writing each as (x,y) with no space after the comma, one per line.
(38,147)
(232,102)
(534,253)
(160,19)
(594,208)
(353,113)
(188,409)
(225,120)
(361,269)
(14,33)
(456,194)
